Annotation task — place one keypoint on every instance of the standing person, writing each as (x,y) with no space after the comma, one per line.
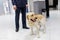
(20,6)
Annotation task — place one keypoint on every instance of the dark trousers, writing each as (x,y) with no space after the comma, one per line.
(17,14)
(47,8)
(55,3)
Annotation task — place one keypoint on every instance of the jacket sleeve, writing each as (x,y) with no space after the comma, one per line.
(26,2)
(14,2)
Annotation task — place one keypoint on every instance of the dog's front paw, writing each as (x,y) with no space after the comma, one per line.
(31,33)
(38,36)
(44,31)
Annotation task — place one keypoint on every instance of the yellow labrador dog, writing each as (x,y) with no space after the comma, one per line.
(36,20)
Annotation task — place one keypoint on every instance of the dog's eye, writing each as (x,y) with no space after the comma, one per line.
(35,17)
(32,15)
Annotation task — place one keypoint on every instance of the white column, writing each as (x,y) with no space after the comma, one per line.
(11,7)
(59,4)
(30,5)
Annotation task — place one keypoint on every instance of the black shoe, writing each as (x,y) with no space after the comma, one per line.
(25,28)
(17,30)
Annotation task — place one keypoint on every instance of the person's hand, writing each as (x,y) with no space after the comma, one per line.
(26,5)
(14,7)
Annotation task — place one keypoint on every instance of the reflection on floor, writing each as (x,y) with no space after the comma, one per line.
(7,29)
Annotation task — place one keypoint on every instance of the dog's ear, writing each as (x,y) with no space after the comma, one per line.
(28,17)
(32,14)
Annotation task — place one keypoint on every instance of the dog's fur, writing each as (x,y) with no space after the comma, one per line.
(36,20)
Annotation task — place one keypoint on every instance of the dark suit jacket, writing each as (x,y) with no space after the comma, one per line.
(19,3)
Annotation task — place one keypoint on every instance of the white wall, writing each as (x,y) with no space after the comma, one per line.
(30,2)
(50,2)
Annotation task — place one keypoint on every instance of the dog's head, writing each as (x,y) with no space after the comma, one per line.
(34,17)
(31,17)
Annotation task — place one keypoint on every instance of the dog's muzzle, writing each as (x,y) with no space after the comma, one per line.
(33,20)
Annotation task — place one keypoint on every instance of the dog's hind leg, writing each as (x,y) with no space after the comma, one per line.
(44,30)
(43,23)
(39,27)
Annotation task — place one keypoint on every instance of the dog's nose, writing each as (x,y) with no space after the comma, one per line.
(31,19)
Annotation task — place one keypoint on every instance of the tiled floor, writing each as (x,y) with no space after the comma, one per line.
(7,29)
